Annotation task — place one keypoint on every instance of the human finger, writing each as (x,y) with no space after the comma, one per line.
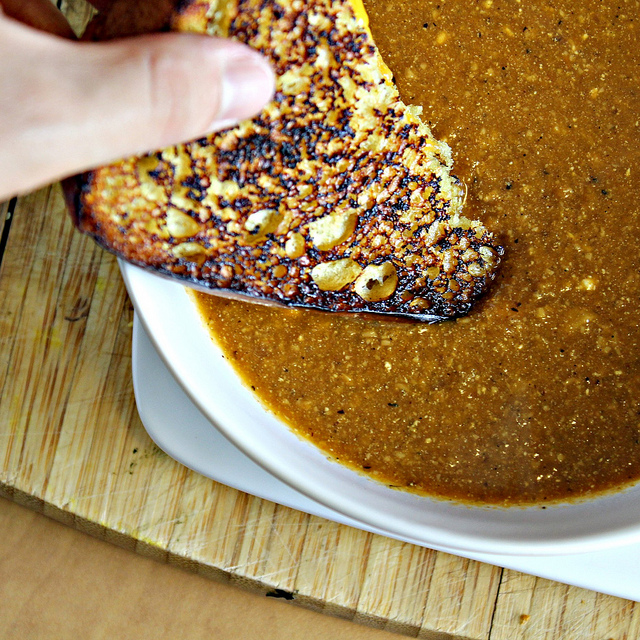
(69,106)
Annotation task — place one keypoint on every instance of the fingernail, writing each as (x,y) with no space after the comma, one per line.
(247,85)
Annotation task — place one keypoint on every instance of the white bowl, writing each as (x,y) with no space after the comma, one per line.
(184,343)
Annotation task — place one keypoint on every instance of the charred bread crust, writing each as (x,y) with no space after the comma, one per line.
(335,197)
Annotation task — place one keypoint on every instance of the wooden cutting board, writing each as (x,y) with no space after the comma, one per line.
(72,447)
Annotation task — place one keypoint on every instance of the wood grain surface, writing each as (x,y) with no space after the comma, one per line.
(72,447)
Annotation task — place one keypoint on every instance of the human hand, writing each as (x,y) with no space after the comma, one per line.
(69,106)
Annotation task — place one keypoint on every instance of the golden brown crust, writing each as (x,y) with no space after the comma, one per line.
(335,197)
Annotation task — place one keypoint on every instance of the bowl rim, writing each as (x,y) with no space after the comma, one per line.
(584,526)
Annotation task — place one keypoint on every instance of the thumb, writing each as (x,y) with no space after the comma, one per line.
(66,106)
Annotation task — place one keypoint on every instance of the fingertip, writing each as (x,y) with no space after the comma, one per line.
(198,84)
(248,84)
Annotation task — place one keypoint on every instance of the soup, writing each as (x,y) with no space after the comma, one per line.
(535,396)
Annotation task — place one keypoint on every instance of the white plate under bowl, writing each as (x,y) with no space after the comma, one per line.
(180,337)
(178,428)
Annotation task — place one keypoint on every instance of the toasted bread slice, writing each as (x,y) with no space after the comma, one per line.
(335,197)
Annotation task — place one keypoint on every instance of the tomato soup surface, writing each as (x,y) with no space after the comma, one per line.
(535,396)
